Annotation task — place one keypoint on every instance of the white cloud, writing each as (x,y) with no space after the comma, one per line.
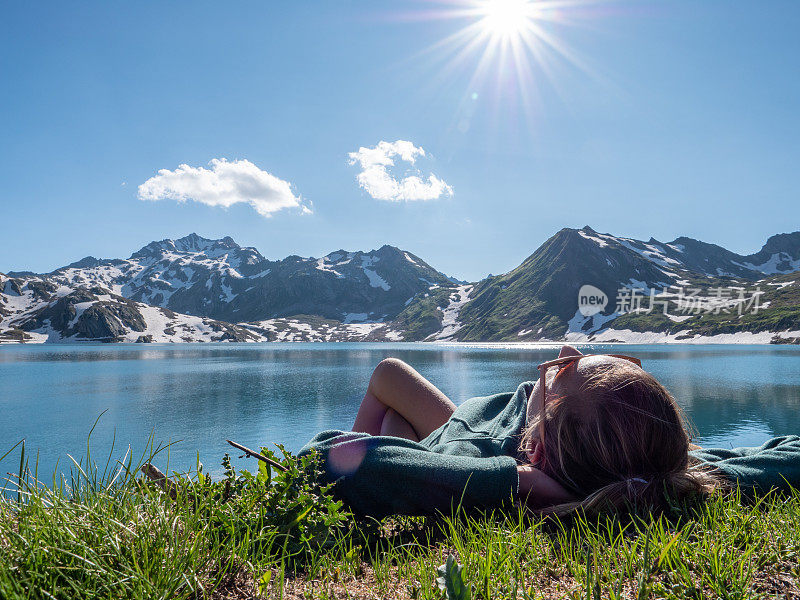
(224,184)
(379,183)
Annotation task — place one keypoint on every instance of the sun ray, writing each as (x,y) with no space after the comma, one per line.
(509,39)
(503,58)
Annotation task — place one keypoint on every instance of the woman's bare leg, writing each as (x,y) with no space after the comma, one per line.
(396,385)
(394,424)
(370,415)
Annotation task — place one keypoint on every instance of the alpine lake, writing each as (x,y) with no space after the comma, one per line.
(192,397)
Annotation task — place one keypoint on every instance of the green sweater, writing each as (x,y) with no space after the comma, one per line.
(472,459)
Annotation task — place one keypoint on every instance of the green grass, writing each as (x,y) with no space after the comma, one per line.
(103,532)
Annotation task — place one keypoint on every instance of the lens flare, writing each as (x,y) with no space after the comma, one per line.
(507,18)
(509,51)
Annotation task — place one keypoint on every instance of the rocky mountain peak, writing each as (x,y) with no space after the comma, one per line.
(197,243)
(194,243)
(226,249)
(784,242)
(86,262)
(189,243)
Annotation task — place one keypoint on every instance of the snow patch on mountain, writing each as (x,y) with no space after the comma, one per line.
(596,239)
(17,303)
(227,293)
(678,318)
(780,262)
(20,297)
(80,308)
(323,264)
(628,336)
(375,280)
(590,324)
(651,252)
(10,288)
(296,330)
(169,327)
(106,275)
(780,284)
(450,323)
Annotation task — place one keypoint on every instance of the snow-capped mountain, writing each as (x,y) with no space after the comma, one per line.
(197,289)
(539,299)
(39,311)
(35,310)
(222,280)
(193,289)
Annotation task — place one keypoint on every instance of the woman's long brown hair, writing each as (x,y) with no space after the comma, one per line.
(620,441)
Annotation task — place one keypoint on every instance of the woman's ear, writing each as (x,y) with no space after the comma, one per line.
(536,455)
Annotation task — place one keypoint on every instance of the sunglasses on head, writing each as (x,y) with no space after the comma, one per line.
(565,360)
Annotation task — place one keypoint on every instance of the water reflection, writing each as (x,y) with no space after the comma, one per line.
(256,394)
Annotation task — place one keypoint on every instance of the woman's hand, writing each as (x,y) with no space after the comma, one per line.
(539,490)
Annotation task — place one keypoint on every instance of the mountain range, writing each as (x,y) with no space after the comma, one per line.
(196,289)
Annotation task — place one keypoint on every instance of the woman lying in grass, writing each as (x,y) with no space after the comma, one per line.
(594,431)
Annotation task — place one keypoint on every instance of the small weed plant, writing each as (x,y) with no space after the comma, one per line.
(272,513)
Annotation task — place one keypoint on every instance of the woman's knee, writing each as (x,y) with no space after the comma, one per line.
(392,364)
(387,368)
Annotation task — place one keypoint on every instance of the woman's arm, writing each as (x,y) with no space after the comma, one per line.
(774,464)
(383,475)
(388,475)
(538,490)
(402,403)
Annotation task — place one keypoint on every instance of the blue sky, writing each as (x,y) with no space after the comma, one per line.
(670,118)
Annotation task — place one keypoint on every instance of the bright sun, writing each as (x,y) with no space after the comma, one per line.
(508,49)
(506,18)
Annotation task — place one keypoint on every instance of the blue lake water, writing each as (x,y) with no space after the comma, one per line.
(199,395)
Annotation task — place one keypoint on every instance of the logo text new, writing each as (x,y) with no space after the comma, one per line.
(591,300)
